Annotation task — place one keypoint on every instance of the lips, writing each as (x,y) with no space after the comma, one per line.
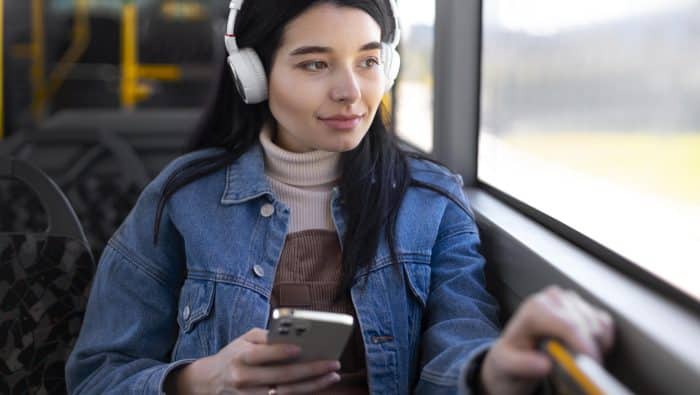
(342,122)
(341,117)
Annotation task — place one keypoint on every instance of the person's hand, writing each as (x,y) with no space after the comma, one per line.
(248,365)
(514,365)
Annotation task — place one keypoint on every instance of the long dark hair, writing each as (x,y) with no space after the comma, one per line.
(379,167)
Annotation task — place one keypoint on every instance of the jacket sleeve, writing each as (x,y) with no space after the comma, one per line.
(461,318)
(130,326)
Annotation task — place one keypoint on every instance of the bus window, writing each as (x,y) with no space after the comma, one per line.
(589,114)
(414,88)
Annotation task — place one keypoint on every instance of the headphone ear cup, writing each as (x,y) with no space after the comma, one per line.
(248,75)
(392,64)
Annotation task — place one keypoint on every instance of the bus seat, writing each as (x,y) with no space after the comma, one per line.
(99,172)
(44,282)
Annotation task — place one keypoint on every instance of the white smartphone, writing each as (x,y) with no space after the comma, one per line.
(320,335)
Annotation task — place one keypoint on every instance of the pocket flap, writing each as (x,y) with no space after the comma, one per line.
(196,301)
(418,276)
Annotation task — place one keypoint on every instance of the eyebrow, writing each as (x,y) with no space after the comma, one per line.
(318,49)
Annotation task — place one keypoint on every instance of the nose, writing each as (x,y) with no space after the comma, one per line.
(346,88)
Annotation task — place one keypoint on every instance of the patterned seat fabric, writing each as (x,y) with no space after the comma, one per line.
(102,203)
(20,208)
(44,283)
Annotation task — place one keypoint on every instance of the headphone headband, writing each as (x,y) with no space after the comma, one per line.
(230,37)
(397,26)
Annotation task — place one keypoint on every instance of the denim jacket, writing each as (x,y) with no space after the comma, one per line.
(153,308)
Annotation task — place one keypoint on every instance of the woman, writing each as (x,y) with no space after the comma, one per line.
(302,198)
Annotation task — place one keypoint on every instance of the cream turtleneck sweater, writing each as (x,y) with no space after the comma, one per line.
(303,182)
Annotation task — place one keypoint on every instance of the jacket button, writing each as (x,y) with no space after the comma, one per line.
(258,270)
(267,210)
(186,312)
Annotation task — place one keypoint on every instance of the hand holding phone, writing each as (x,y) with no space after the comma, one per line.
(320,335)
(250,363)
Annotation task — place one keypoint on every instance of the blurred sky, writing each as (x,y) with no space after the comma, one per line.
(412,12)
(550,16)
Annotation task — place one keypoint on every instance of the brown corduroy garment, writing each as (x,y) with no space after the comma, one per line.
(307,277)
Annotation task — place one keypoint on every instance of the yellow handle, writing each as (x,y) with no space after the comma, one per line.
(566,361)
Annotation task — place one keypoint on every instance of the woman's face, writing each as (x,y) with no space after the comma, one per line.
(326,81)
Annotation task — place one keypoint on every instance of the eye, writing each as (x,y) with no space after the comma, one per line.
(314,65)
(370,62)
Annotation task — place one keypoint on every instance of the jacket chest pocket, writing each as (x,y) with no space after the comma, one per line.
(193,319)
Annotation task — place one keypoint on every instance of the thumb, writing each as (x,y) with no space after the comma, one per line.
(256,336)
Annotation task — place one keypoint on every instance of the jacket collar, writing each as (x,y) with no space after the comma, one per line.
(245,178)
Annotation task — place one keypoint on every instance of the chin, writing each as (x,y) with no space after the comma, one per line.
(345,144)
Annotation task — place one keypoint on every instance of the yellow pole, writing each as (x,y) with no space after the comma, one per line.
(129,56)
(2,70)
(79,43)
(37,69)
(132,90)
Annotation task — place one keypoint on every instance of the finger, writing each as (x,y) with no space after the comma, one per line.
(598,321)
(584,312)
(553,293)
(256,336)
(575,310)
(289,373)
(259,354)
(311,386)
(543,317)
(607,339)
(573,332)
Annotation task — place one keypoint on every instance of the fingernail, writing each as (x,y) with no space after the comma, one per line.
(335,365)
(293,350)
(335,377)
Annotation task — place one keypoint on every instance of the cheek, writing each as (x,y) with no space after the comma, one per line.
(291,101)
(374,90)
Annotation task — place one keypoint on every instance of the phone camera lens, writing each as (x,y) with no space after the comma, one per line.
(285,323)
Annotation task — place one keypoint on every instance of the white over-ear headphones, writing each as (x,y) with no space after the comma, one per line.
(249,73)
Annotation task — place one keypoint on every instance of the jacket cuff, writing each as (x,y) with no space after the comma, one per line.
(468,383)
(158,377)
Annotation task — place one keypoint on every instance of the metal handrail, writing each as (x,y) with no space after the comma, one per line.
(61,217)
